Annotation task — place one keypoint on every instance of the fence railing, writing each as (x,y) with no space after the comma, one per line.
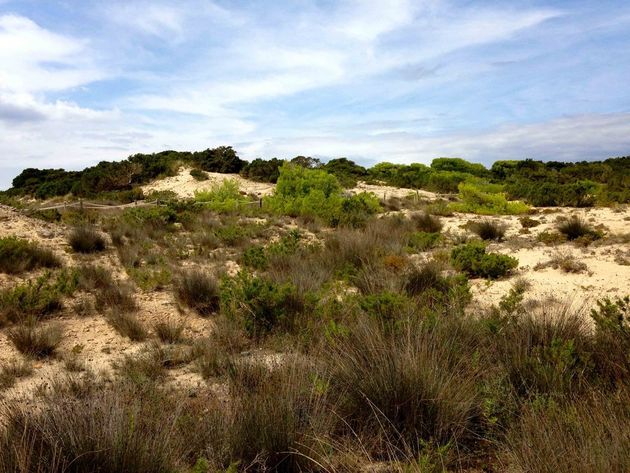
(87,205)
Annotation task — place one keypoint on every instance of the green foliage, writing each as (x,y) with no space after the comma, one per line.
(315,193)
(223,198)
(262,170)
(37,298)
(486,199)
(157,217)
(472,259)
(386,306)
(17,256)
(199,175)
(459,165)
(346,171)
(259,304)
(423,241)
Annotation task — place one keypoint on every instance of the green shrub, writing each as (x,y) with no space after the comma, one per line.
(199,175)
(472,259)
(486,199)
(422,241)
(259,304)
(17,256)
(37,298)
(262,170)
(316,194)
(255,257)
(386,306)
(223,198)
(158,217)
(86,239)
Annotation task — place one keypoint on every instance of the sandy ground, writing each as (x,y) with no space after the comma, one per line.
(100,347)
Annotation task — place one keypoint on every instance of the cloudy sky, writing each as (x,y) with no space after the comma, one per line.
(83,81)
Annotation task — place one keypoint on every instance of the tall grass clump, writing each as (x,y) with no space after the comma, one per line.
(488,230)
(99,281)
(12,370)
(425,222)
(575,228)
(17,256)
(401,389)
(127,325)
(199,291)
(86,239)
(107,429)
(38,341)
(586,436)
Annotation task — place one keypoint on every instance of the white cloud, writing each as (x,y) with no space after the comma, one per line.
(33,59)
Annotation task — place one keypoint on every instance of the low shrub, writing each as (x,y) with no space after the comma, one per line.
(472,259)
(36,341)
(575,228)
(488,230)
(486,199)
(259,304)
(567,262)
(386,306)
(199,175)
(423,241)
(17,256)
(38,298)
(223,198)
(199,291)
(86,239)
(528,222)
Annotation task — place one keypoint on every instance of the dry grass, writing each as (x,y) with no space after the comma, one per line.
(38,341)
(488,229)
(170,331)
(12,370)
(127,325)
(199,291)
(85,239)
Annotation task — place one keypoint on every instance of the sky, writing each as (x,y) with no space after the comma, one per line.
(83,81)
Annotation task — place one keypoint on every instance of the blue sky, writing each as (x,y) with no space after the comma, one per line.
(402,81)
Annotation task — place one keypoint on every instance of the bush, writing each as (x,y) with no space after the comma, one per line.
(36,341)
(422,241)
(316,194)
(86,239)
(199,175)
(223,198)
(528,222)
(486,199)
(262,170)
(37,298)
(259,304)
(17,256)
(575,228)
(472,259)
(199,291)
(488,230)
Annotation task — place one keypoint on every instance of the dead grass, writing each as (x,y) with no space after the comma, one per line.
(127,325)
(38,341)
(12,370)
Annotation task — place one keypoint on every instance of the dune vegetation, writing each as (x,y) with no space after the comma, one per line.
(323,327)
